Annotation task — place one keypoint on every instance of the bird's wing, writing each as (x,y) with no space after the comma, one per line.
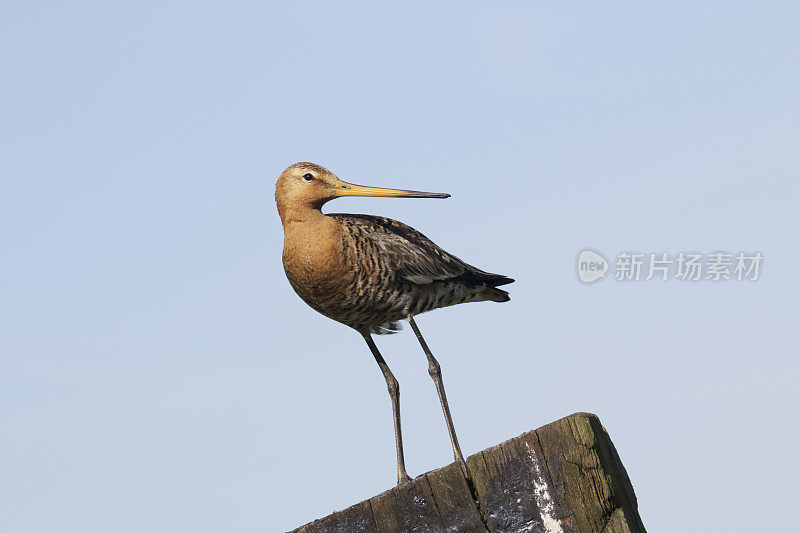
(413,256)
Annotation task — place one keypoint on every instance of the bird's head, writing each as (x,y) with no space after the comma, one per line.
(305,185)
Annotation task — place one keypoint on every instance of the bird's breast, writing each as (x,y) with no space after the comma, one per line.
(316,265)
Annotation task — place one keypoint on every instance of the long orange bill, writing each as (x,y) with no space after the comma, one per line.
(351,189)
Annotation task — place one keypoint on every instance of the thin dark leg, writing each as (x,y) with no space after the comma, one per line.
(436,373)
(394,394)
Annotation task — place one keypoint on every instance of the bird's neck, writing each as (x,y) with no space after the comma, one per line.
(299,213)
(311,242)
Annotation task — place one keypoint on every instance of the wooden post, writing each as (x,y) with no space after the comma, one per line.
(565,477)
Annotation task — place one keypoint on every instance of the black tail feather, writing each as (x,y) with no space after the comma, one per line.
(501,280)
(483,278)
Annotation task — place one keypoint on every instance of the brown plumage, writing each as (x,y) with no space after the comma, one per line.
(370,272)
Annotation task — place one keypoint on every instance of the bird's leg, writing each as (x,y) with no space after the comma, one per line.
(394,394)
(436,373)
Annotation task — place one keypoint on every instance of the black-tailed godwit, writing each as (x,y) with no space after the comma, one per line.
(371,272)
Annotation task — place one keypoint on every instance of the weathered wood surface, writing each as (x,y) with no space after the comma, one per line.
(565,477)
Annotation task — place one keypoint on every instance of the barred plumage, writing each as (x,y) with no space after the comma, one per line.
(399,273)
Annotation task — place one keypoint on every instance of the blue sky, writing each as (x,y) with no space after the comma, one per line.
(158,373)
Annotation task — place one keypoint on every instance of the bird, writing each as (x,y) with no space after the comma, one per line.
(371,273)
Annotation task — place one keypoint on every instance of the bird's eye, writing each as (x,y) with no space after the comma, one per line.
(308,177)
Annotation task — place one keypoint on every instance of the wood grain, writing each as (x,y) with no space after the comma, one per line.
(565,477)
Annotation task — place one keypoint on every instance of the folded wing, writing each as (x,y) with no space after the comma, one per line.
(415,258)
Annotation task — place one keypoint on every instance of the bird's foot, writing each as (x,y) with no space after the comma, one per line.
(463,465)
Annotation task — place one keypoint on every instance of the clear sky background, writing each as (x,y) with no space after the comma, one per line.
(157,372)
